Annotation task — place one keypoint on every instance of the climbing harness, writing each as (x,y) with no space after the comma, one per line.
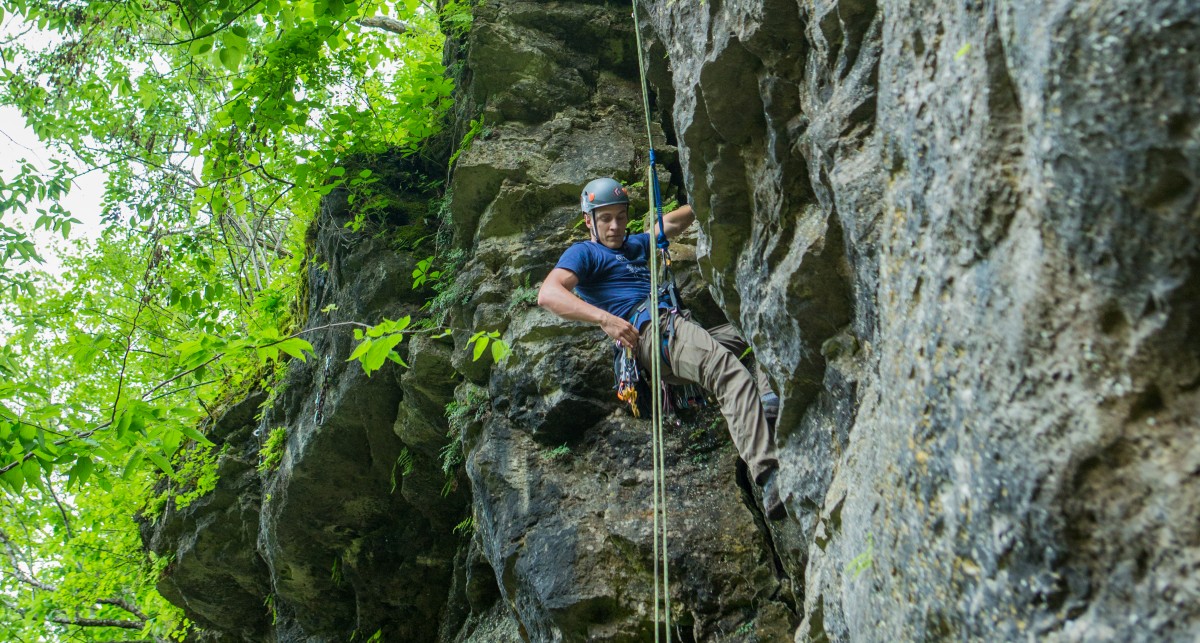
(662,582)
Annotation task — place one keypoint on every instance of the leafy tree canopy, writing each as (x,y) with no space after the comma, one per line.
(219,125)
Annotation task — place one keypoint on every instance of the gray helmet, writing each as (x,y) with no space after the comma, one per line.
(601,192)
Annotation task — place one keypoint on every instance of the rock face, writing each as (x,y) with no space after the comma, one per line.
(964,241)
(967,235)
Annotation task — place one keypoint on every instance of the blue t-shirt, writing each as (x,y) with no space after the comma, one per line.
(616,281)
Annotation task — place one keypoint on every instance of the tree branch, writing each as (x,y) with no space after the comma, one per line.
(180,390)
(97,622)
(125,605)
(63,511)
(385,23)
(194,38)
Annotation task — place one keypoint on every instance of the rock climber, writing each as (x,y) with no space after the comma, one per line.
(605,281)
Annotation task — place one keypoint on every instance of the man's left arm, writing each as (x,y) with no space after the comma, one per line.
(676,221)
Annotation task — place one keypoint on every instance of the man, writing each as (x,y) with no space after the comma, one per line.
(604,281)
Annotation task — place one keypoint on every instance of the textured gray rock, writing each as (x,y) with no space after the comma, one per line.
(338,541)
(561,480)
(964,240)
(976,227)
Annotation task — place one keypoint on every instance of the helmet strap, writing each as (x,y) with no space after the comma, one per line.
(591,219)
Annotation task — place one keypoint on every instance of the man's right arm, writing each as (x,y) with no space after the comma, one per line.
(555,296)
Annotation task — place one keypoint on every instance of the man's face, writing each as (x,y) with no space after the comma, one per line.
(610,222)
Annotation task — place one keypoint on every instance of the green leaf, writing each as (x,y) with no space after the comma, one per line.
(360,350)
(81,471)
(231,57)
(15,478)
(162,463)
(124,417)
(196,435)
(379,351)
(500,350)
(268,353)
(131,465)
(32,472)
(295,347)
(481,344)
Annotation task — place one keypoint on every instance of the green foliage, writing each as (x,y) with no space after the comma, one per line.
(270,456)
(424,273)
(451,455)
(477,129)
(269,603)
(65,566)
(524,296)
(28,188)
(219,127)
(557,453)
(404,465)
(365,202)
(377,344)
(196,469)
(863,561)
(706,433)
(335,574)
(466,527)
(449,292)
(470,406)
(480,341)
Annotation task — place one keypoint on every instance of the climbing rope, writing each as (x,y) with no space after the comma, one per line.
(661,581)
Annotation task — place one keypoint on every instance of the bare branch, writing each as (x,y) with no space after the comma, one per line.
(125,605)
(385,23)
(63,511)
(98,622)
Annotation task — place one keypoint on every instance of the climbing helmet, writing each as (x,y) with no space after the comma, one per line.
(601,192)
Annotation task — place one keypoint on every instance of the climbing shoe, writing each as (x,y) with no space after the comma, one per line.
(773,507)
(770,405)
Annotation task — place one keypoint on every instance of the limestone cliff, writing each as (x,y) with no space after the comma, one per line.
(964,241)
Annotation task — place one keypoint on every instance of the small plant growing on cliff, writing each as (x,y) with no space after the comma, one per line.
(477,129)
(863,561)
(335,575)
(404,464)
(363,200)
(452,456)
(482,339)
(195,476)
(466,527)
(271,454)
(525,296)
(557,453)
(424,273)
(377,344)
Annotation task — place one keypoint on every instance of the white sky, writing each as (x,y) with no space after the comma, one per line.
(17,143)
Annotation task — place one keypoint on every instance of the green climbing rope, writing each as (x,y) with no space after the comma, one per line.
(662,581)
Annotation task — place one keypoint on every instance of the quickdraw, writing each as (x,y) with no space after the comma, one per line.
(627,379)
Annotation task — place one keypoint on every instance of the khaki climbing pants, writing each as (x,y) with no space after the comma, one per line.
(710,358)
